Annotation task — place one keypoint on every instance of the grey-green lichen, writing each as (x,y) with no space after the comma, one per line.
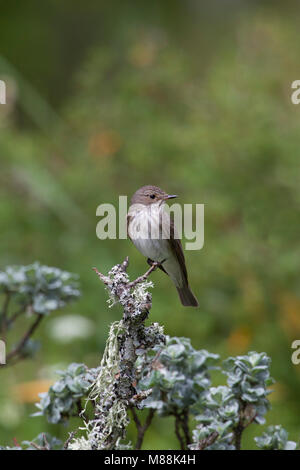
(114,389)
(110,419)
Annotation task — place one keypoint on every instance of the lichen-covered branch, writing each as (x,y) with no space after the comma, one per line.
(114,390)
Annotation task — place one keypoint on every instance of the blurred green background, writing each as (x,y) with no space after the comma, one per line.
(194,97)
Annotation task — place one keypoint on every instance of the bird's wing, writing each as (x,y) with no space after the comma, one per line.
(177,250)
(129,217)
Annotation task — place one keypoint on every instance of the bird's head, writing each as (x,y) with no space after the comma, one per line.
(150,195)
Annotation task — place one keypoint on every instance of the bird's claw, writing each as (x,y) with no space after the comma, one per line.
(155,263)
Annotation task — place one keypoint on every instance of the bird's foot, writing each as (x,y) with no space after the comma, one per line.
(155,263)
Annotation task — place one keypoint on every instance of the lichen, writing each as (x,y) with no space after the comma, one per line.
(110,412)
(140,293)
(81,443)
(114,389)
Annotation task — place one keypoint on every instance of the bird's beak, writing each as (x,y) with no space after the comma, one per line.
(171,196)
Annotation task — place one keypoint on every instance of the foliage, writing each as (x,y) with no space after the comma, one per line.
(275,438)
(172,378)
(40,288)
(180,381)
(43,441)
(179,378)
(35,291)
(228,410)
(177,375)
(194,97)
(63,399)
(249,379)
(220,415)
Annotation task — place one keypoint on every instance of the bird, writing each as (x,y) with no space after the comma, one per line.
(152,230)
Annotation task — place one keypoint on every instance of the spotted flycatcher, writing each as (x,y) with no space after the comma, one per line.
(152,231)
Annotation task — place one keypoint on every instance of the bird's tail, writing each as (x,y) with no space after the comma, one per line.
(187,297)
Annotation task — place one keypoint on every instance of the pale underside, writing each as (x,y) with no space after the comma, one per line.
(149,230)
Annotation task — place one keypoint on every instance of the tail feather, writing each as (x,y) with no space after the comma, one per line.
(187,297)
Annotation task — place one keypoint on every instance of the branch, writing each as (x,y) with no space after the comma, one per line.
(69,439)
(143,278)
(16,315)
(247,416)
(185,426)
(142,428)
(114,391)
(46,445)
(17,350)
(178,431)
(182,425)
(208,441)
(238,431)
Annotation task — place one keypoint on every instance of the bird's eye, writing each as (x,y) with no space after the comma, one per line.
(152,196)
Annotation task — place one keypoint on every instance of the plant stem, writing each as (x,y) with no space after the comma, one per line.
(238,431)
(18,313)
(178,428)
(16,351)
(185,426)
(144,276)
(208,441)
(141,428)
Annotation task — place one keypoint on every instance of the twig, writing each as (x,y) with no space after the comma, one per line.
(238,431)
(142,428)
(79,407)
(136,419)
(46,445)
(247,416)
(70,438)
(185,426)
(36,446)
(182,425)
(103,278)
(16,351)
(178,431)
(18,313)
(143,278)
(208,441)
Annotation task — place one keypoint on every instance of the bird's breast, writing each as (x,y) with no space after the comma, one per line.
(144,229)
